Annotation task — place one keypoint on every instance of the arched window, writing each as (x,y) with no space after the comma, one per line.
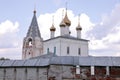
(30,42)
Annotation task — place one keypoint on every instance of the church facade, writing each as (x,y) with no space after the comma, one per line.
(59,58)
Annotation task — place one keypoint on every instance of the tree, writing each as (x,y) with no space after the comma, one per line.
(2,58)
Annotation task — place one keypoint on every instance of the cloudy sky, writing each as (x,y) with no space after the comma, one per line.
(100,20)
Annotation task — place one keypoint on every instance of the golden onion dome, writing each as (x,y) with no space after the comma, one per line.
(52,28)
(66,20)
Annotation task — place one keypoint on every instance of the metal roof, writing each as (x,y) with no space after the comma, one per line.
(33,30)
(62,60)
(43,62)
(19,63)
(30,62)
(65,60)
(67,37)
(116,61)
(7,63)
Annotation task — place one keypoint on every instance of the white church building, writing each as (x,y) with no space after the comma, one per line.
(63,45)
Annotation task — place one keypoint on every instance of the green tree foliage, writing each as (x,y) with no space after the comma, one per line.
(2,58)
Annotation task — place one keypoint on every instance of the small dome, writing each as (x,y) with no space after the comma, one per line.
(78,27)
(66,20)
(52,28)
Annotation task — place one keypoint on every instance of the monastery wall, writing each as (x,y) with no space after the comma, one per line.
(59,72)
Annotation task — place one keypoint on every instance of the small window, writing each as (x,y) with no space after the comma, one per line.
(79,51)
(47,50)
(54,50)
(68,50)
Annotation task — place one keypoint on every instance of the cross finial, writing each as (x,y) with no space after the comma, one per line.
(62,13)
(66,5)
(34,9)
(53,19)
(78,19)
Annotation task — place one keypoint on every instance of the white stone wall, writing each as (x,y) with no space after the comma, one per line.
(42,74)
(67,31)
(52,34)
(31,73)
(51,44)
(62,31)
(23,73)
(1,73)
(61,45)
(79,34)
(9,74)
